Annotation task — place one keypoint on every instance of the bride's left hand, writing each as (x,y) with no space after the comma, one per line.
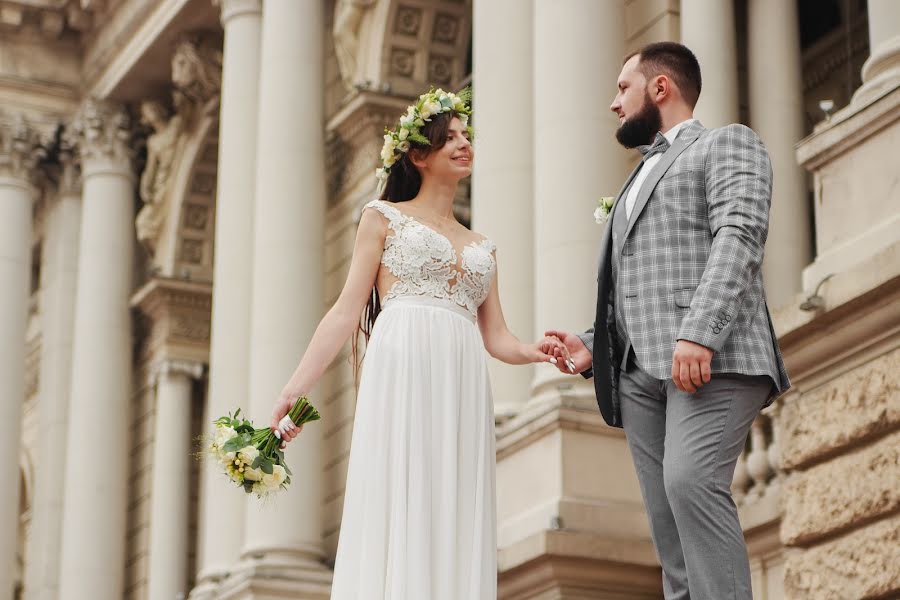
(547,349)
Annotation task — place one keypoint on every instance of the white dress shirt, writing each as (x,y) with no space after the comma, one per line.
(635,188)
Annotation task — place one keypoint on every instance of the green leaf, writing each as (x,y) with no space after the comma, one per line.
(266,466)
(415,136)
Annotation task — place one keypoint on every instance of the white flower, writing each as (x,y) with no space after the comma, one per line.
(430,108)
(381,173)
(253,474)
(403,146)
(388,149)
(464,119)
(404,133)
(420,122)
(275,479)
(248,454)
(604,207)
(223,434)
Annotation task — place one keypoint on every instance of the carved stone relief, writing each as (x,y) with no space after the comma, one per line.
(348,19)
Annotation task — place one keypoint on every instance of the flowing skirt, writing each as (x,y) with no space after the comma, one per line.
(419,520)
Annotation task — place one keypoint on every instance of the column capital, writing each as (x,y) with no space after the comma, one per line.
(236,8)
(20,149)
(176,366)
(102,133)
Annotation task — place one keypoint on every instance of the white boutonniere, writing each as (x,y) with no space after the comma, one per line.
(604,207)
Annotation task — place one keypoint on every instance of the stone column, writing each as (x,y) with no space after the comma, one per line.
(881,71)
(776,113)
(58,281)
(503,182)
(707,28)
(219,547)
(96,480)
(168,552)
(576,161)
(284,538)
(17,144)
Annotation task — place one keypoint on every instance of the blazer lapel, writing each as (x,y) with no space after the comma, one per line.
(685,138)
(606,239)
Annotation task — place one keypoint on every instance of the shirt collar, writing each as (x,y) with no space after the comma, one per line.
(672,133)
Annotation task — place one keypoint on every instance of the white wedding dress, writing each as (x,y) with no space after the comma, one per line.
(419,519)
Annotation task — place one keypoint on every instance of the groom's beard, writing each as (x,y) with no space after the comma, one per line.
(642,127)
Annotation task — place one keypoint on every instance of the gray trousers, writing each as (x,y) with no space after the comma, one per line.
(684,448)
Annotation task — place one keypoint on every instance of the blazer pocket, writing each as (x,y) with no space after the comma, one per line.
(683,297)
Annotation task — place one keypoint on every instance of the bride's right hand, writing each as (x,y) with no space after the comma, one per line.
(285,430)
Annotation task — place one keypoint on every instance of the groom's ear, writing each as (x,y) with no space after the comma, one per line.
(660,87)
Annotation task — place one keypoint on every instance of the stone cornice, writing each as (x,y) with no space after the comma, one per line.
(847,128)
(542,418)
(859,320)
(354,139)
(51,17)
(174,366)
(177,314)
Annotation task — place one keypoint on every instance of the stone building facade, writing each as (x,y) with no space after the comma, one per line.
(180,182)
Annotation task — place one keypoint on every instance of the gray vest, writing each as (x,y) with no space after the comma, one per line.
(620,226)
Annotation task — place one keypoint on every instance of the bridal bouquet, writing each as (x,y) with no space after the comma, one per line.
(252,458)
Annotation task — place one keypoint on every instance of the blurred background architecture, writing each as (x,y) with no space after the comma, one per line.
(180,182)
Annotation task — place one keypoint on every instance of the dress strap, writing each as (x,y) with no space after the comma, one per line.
(394,216)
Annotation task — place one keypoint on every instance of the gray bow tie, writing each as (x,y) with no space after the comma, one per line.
(660,145)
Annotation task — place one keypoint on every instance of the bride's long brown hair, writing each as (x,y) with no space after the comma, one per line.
(403,184)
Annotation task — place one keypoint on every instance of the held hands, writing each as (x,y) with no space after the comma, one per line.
(546,350)
(691,366)
(574,357)
(281,423)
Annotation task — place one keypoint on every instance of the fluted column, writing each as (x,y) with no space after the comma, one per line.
(285,536)
(503,182)
(96,480)
(576,160)
(17,143)
(881,71)
(58,282)
(707,28)
(776,113)
(168,552)
(219,547)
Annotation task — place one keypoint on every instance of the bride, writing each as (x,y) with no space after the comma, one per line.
(419,509)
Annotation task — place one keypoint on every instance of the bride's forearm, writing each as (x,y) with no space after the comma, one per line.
(507,348)
(333,331)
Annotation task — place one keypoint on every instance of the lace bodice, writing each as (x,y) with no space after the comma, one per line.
(425,262)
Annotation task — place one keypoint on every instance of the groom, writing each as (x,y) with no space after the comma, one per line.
(682,351)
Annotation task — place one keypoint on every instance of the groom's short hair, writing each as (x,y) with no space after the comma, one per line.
(675,61)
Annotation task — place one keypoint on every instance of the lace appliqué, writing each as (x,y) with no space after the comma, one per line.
(425,262)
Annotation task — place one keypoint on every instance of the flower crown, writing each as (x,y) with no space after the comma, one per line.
(399,140)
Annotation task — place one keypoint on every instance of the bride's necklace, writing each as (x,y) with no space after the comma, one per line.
(434,219)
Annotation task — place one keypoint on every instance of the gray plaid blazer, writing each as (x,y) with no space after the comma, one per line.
(689,267)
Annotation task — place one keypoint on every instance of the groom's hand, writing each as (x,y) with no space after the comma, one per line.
(578,352)
(690,366)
